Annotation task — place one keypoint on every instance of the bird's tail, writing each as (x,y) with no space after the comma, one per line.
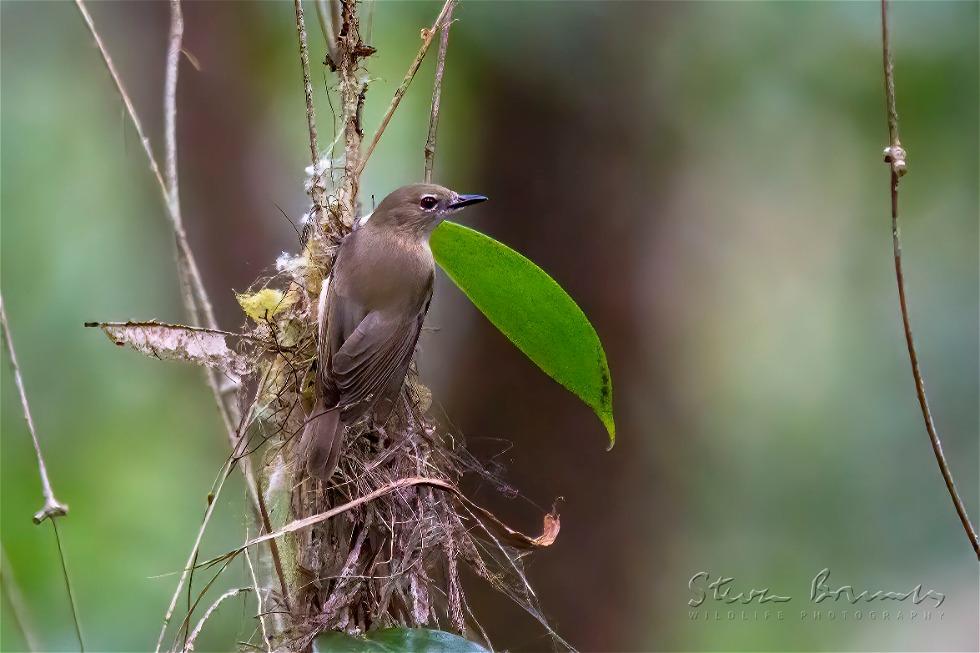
(322,440)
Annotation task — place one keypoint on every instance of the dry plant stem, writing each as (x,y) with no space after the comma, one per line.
(233,459)
(895,156)
(479,514)
(409,76)
(316,190)
(430,142)
(175,218)
(170,104)
(189,646)
(187,265)
(351,88)
(52,507)
(68,589)
(213,501)
(258,599)
(186,260)
(226,405)
(15,599)
(312,520)
(304,58)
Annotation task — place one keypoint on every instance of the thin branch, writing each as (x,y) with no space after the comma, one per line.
(352,89)
(67,578)
(52,507)
(328,14)
(233,459)
(189,646)
(130,110)
(212,502)
(304,58)
(895,156)
(18,607)
(186,263)
(226,404)
(430,142)
(258,599)
(170,104)
(428,36)
(171,199)
(317,191)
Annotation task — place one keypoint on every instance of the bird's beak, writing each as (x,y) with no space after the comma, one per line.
(466,200)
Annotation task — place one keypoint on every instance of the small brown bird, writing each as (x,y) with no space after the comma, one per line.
(370,314)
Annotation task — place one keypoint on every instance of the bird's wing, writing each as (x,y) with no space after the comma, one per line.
(372,363)
(338,317)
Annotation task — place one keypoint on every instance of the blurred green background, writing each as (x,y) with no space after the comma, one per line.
(704,178)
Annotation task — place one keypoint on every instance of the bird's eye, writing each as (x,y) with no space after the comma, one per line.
(429,202)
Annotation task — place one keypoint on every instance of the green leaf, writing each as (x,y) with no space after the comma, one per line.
(532,310)
(396,640)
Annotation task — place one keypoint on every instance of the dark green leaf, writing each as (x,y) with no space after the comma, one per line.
(396,640)
(532,310)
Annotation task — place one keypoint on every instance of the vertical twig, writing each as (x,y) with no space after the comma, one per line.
(174,44)
(258,598)
(52,507)
(304,58)
(317,191)
(430,142)
(350,49)
(328,14)
(65,576)
(895,156)
(18,607)
(189,565)
(186,262)
(233,459)
(195,297)
(428,36)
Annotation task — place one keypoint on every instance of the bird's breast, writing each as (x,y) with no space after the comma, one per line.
(385,272)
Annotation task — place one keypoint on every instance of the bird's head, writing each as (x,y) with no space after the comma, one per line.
(419,208)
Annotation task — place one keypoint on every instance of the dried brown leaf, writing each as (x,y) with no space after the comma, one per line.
(178,342)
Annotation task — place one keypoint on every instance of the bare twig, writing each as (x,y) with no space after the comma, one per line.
(52,507)
(895,156)
(67,578)
(428,36)
(170,104)
(258,599)
(233,459)
(15,599)
(175,218)
(317,190)
(212,502)
(430,142)
(197,300)
(304,58)
(352,89)
(189,646)
(328,14)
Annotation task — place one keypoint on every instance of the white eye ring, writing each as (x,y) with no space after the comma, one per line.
(429,202)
